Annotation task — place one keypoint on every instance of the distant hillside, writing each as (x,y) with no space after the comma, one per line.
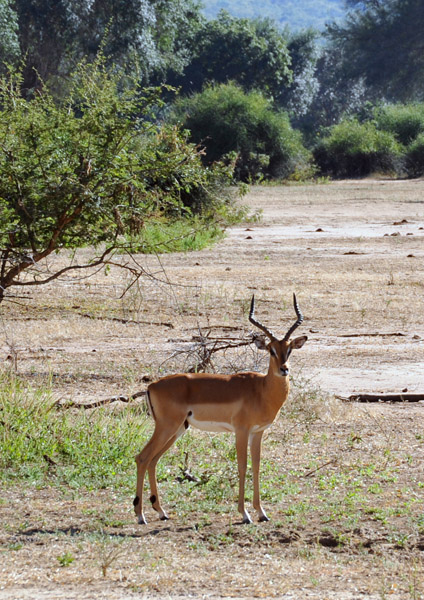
(297,14)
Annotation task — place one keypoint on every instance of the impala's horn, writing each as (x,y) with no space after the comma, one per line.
(299,319)
(252,319)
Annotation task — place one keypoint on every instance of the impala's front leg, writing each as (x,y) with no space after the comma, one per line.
(242,438)
(255,450)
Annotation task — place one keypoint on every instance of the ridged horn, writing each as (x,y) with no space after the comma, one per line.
(252,319)
(299,319)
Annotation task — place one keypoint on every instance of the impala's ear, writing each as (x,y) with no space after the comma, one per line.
(260,342)
(298,342)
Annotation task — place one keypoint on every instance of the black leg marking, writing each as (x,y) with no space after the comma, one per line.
(153,498)
(136,501)
(186,425)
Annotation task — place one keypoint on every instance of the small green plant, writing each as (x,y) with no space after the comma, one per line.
(66,559)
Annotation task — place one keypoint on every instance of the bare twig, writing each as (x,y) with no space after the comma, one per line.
(128,321)
(333,461)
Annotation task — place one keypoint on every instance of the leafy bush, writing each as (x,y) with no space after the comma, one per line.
(414,160)
(404,121)
(175,176)
(353,149)
(92,168)
(231,123)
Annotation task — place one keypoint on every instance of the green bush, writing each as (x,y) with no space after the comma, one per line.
(92,168)
(404,121)
(231,123)
(414,160)
(353,149)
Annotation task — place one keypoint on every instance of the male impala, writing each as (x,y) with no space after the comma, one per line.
(245,403)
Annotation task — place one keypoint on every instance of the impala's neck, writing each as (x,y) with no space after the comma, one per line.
(276,382)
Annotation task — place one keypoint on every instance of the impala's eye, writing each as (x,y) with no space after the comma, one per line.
(273,352)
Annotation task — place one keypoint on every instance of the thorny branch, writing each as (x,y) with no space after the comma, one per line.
(204,347)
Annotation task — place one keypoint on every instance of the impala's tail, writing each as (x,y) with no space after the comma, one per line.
(149,405)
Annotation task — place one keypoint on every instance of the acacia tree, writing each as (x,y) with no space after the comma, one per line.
(79,172)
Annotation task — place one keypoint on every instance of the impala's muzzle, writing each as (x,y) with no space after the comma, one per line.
(284,371)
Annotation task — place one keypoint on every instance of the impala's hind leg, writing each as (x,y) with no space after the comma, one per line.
(154,492)
(159,442)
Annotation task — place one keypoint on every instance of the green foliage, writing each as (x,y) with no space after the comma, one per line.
(380,42)
(353,149)
(299,94)
(415,157)
(405,121)
(9,43)
(252,53)
(79,448)
(152,34)
(183,235)
(234,124)
(92,168)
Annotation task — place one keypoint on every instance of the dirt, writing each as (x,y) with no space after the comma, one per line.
(353,252)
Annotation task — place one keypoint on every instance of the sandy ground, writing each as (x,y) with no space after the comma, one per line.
(353,252)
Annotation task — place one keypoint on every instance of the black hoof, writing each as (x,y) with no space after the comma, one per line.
(263,519)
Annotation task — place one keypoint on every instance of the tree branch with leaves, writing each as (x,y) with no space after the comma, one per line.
(90,168)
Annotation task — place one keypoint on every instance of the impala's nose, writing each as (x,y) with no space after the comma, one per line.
(284,371)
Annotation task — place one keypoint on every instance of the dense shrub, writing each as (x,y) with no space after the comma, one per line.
(226,120)
(414,159)
(405,121)
(353,149)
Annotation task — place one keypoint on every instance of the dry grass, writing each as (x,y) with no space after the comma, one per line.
(342,483)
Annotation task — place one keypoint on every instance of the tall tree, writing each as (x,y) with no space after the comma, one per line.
(55,34)
(297,96)
(9,42)
(382,43)
(251,52)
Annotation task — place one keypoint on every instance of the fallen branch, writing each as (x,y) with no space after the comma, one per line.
(375,334)
(128,321)
(87,405)
(402,397)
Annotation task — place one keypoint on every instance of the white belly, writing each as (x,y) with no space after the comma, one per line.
(213,426)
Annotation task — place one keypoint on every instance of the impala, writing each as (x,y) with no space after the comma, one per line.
(244,403)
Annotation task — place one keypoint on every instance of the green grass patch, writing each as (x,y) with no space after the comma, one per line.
(78,448)
(182,235)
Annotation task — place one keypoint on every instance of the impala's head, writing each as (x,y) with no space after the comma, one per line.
(279,350)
